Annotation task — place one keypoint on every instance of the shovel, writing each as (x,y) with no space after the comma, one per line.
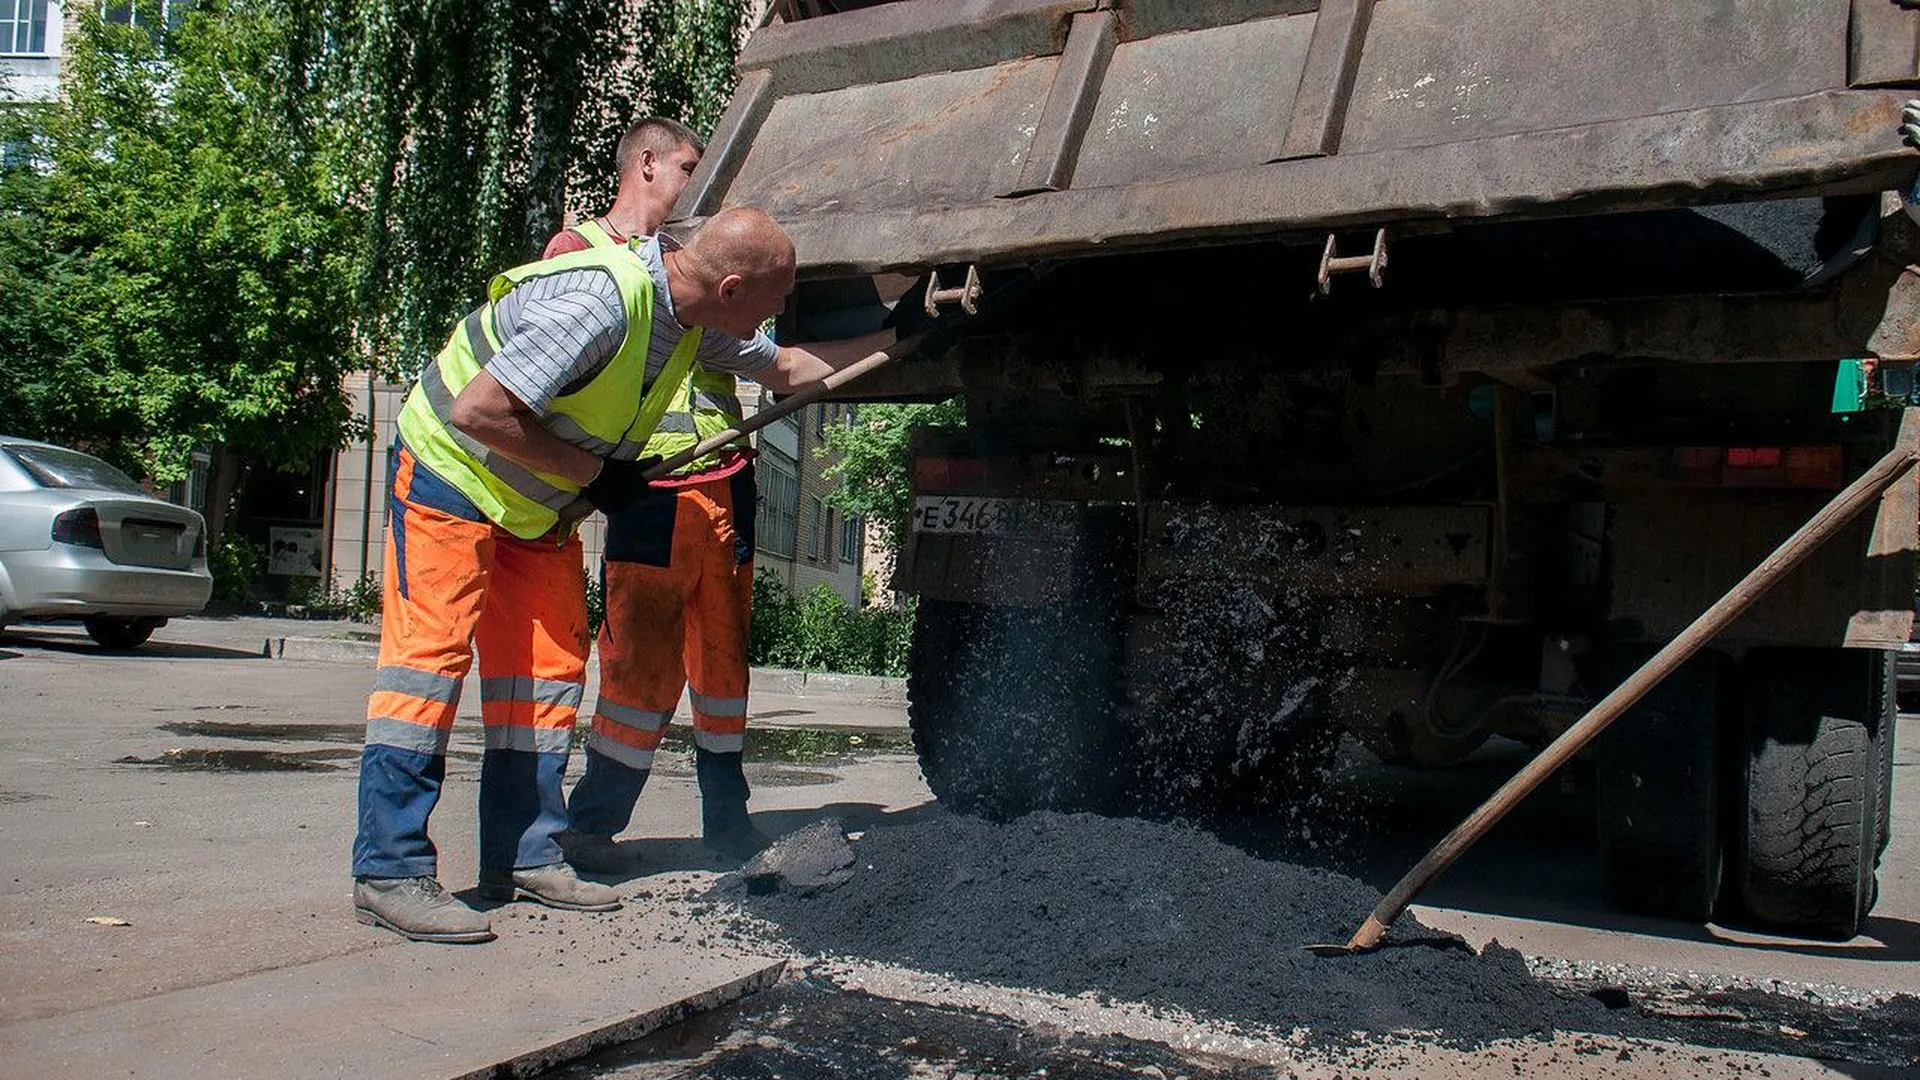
(793,403)
(1822,527)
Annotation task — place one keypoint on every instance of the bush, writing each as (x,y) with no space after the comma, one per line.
(359,601)
(236,563)
(819,632)
(596,602)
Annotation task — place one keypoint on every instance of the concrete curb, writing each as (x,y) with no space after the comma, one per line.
(874,689)
(332,650)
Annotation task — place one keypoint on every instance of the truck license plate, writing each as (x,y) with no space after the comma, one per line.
(962,514)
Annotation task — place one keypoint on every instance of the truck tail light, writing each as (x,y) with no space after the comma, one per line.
(949,474)
(1759,466)
(78,527)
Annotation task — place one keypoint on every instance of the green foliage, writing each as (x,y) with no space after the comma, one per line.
(471,124)
(236,563)
(181,274)
(871,476)
(359,601)
(819,632)
(596,602)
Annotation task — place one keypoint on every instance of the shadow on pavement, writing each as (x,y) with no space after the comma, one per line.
(661,855)
(42,639)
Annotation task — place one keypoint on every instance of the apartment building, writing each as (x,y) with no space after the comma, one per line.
(30,35)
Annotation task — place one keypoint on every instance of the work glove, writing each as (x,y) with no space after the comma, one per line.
(1909,124)
(619,484)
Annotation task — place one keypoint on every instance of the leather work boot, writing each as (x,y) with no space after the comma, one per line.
(590,853)
(554,885)
(419,909)
(724,825)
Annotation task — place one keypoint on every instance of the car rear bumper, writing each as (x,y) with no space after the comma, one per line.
(71,582)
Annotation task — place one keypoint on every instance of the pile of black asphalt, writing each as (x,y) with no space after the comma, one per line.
(1136,911)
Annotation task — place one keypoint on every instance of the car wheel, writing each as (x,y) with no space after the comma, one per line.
(110,633)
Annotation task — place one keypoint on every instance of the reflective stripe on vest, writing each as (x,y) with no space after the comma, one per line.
(709,404)
(610,416)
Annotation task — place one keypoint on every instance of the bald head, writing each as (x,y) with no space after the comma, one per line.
(740,266)
(742,241)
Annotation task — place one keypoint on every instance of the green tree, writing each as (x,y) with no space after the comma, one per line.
(475,123)
(191,261)
(871,477)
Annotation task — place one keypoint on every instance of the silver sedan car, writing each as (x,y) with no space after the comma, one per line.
(79,539)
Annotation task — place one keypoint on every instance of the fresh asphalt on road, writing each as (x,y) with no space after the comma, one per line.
(203,795)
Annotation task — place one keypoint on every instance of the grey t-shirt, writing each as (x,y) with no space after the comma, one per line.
(558,331)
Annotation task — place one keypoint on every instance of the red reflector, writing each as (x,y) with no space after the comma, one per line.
(1814,467)
(949,474)
(929,474)
(1753,457)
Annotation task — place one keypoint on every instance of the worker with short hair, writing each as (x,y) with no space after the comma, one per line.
(537,411)
(677,577)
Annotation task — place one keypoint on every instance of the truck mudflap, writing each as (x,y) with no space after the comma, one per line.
(999,132)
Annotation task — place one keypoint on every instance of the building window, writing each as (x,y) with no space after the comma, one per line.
(816,536)
(23,27)
(821,414)
(850,540)
(171,13)
(779,483)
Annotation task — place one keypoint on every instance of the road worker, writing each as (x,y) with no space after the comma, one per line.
(678,576)
(536,412)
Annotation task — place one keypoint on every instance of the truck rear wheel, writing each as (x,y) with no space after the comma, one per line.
(1012,708)
(1659,796)
(1813,787)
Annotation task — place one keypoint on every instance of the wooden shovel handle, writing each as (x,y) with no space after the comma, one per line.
(794,403)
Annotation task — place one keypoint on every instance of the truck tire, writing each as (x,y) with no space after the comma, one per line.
(1659,795)
(1812,788)
(1012,708)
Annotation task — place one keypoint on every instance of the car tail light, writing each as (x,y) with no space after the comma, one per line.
(79,527)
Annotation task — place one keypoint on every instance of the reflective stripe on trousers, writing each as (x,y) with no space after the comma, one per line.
(678,597)
(466,582)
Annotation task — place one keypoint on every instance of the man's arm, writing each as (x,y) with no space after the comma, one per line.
(803,365)
(491,414)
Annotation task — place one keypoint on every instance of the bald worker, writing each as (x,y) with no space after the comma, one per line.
(537,412)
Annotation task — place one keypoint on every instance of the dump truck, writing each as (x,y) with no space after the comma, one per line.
(1411,369)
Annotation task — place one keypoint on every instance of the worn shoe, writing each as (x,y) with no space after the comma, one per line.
(419,909)
(554,885)
(592,854)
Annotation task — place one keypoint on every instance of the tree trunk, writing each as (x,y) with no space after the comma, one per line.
(223,488)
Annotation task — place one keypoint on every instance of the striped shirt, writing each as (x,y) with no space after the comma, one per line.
(558,331)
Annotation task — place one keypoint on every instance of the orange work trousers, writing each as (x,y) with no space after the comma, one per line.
(454,581)
(679,593)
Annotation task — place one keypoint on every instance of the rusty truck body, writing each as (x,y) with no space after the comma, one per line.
(1410,368)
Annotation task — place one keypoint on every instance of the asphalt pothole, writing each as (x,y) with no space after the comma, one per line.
(808,1030)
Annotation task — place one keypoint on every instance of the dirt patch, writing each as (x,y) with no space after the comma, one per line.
(203,759)
(1168,916)
(214,729)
